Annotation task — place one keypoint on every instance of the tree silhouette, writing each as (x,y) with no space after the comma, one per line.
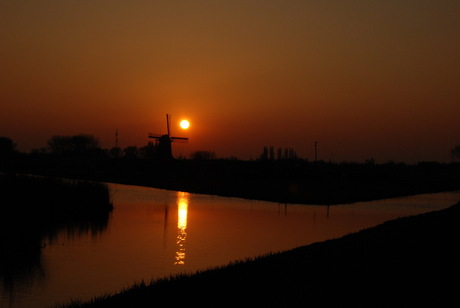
(7,146)
(149,151)
(203,155)
(131,152)
(455,152)
(116,152)
(74,146)
(7,152)
(286,154)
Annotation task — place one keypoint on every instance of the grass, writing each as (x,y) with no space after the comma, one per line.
(401,263)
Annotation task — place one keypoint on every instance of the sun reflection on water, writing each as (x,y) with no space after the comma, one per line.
(182,209)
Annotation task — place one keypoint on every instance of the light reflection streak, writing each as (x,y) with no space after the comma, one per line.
(182,211)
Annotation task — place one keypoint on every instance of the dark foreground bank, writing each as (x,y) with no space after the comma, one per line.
(34,210)
(279,181)
(405,262)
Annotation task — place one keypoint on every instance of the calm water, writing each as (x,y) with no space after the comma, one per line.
(153,233)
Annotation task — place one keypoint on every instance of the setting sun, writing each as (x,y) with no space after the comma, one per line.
(184,124)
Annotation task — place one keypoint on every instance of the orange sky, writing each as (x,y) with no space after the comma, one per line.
(366,79)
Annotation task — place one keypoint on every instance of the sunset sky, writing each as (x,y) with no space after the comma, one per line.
(365,78)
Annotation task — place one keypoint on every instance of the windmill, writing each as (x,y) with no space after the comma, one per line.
(163,142)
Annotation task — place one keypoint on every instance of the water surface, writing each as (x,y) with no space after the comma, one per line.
(153,233)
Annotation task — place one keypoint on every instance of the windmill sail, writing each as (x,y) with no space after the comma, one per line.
(164,142)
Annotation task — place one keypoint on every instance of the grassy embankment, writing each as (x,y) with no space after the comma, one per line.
(407,262)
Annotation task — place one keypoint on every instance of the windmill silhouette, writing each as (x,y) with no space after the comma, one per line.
(163,142)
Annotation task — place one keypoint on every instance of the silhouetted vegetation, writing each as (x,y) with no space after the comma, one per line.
(268,153)
(279,181)
(7,146)
(74,146)
(282,181)
(203,155)
(48,199)
(8,153)
(32,212)
(406,262)
(455,152)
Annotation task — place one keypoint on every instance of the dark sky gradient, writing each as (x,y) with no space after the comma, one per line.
(366,79)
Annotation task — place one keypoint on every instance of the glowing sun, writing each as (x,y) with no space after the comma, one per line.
(184,124)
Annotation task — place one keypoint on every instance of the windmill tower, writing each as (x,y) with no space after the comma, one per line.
(163,142)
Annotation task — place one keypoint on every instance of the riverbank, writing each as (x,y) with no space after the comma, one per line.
(405,262)
(298,182)
(34,210)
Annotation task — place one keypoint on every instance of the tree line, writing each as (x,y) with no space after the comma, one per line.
(83,145)
(88,146)
(269,153)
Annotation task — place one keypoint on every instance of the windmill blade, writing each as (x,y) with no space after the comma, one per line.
(179,139)
(168,116)
(156,136)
